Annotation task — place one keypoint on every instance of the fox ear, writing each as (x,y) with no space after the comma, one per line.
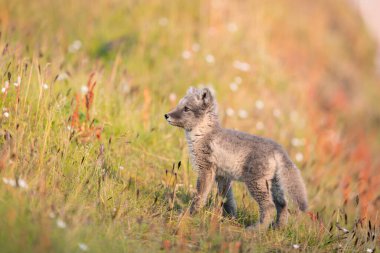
(191,90)
(206,96)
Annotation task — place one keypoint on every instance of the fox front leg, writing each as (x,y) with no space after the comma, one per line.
(205,181)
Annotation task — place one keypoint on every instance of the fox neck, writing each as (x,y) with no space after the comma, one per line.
(207,126)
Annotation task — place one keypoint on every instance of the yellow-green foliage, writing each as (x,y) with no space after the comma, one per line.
(97,170)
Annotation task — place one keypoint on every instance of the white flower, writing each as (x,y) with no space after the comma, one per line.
(238,79)
(51,215)
(369,250)
(186,54)
(298,142)
(259,104)
(6,114)
(9,181)
(230,112)
(242,66)
(210,59)
(243,114)
(16,84)
(83,246)
(195,47)
(45,86)
(75,46)
(276,113)
(61,224)
(299,157)
(84,89)
(62,76)
(22,183)
(121,167)
(232,27)
(172,97)
(3,90)
(163,21)
(259,125)
(296,246)
(234,86)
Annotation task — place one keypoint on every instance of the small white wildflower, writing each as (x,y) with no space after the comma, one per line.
(232,27)
(84,89)
(163,21)
(125,87)
(75,46)
(16,84)
(51,215)
(242,66)
(259,104)
(243,114)
(3,90)
(299,157)
(61,224)
(369,250)
(295,142)
(210,59)
(276,113)
(6,114)
(45,86)
(121,167)
(83,246)
(172,97)
(238,79)
(22,183)
(259,125)
(298,142)
(234,86)
(69,128)
(186,54)
(62,76)
(195,47)
(230,112)
(9,181)
(296,246)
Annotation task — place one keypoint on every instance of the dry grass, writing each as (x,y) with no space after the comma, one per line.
(87,162)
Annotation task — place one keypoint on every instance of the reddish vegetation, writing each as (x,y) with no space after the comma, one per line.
(85,129)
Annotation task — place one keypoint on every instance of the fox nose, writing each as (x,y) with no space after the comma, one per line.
(166,116)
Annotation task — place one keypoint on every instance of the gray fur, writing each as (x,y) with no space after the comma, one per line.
(224,155)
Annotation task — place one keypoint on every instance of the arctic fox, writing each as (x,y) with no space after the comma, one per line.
(224,155)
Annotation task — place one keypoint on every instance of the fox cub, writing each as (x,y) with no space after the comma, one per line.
(224,155)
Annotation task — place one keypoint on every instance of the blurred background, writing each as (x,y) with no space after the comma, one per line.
(85,86)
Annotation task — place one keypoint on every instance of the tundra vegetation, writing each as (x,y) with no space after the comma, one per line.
(88,163)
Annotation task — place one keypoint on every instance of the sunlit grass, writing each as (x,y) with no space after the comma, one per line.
(94,167)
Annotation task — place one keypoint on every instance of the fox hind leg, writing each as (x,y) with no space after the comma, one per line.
(261,192)
(280,202)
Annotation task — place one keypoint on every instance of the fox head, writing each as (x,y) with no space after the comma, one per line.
(198,107)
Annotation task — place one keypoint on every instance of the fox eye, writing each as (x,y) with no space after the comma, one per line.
(186,109)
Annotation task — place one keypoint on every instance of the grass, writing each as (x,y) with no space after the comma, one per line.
(87,162)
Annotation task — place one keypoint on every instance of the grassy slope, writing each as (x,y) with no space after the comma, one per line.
(320,79)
